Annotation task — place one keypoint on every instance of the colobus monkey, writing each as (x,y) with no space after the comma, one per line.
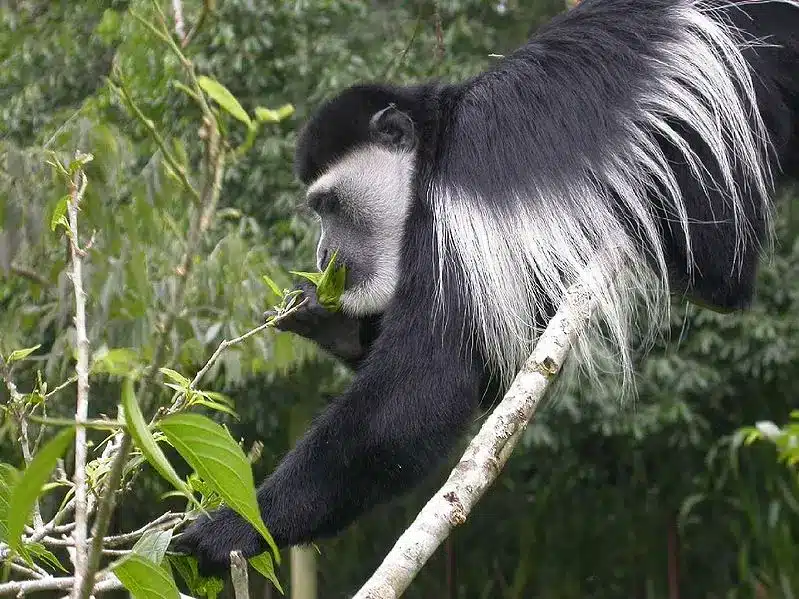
(642,136)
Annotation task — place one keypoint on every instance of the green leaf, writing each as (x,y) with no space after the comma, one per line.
(9,476)
(153,545)
(219,407)
(329,284)
(218,397)
(263,563)
(273,286)
(62,220)
(59,214)
(146,443)
(120,361)
(57,164)
(220,462)
(222,96)
(81,159)
(44,555)
(176,376)
(145,579)
(21,354)
(30,484)
(267,115)
(186,566)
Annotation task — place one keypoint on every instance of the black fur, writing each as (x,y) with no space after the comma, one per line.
(537,116)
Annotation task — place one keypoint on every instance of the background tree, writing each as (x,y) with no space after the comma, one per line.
(652,499)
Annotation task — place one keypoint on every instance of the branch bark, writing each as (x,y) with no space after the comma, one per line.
(77,189)
(486,454)
(239,576)
(180,27)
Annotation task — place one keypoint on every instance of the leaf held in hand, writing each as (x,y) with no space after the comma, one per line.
(329,284)
(220,462)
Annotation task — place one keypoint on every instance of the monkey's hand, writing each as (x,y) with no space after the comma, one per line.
(211,539)
(302,319)
(345,337)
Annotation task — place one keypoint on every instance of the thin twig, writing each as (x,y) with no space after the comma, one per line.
(119,86)
(397,63)
(164,521)
(77,189)
(439,32)
(228,342)
(177,399)
(27,273)
(62,386)
(486,454)
(37,443)
(27,455)
(53,526)
(104,512)
(206,10)
(180,28)
(24,570)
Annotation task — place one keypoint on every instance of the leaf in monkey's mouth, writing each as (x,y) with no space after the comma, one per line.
(330,284)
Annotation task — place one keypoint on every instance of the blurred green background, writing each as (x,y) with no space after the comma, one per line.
(654,498)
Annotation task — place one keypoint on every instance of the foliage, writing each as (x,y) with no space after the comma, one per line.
(586,510)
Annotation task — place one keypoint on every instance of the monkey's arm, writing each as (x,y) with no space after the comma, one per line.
(345,337)
(404,411)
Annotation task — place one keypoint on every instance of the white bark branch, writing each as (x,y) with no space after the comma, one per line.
(486,455)
(239,576)
(23,587)
(77,189)
(180,27)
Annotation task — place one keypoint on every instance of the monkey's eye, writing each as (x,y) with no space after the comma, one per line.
(324,202)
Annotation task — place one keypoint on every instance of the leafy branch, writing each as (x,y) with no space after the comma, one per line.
(95,485)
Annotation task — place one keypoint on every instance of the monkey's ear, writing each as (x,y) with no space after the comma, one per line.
(393,127)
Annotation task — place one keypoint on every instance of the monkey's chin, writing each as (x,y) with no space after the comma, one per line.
(368,297)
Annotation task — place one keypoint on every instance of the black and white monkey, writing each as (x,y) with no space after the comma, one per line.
(644,137)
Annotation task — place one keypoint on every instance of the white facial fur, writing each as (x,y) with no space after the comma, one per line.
(374,187)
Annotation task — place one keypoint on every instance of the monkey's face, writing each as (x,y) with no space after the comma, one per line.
(362,202)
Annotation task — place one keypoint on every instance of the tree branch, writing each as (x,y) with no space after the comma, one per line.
(180,27)
(76,191)
(486,454)
(238,575)
(207,7)
(65,583)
